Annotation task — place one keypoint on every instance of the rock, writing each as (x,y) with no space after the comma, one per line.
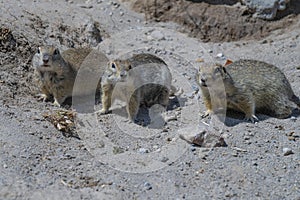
(164,159)
(147,186)
(287,151)
(220,55)
(293,119)
(157,35)
(87,6)
(202,137)
(92,33)
(143,150)
(265,9)
(171,118)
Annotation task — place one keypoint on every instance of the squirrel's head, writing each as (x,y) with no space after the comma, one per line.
(46,56)
(210,74)
(117,70)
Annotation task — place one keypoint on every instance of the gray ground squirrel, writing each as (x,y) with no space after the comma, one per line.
(56,72)
(250,86)
(141,79)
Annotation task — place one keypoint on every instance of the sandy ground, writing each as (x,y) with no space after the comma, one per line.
(112,159)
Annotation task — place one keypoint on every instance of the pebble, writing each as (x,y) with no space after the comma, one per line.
(157,35)
(143,150)
(193,148)
(147,186)
(190,95)
(220,55)
(234,154)
(85,6)
(287,151)
(293,118)
(171,118)
(164,159)
(246,138)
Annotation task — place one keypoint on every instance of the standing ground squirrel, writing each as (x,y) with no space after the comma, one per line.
(56,73)
(250,86)
(141,79)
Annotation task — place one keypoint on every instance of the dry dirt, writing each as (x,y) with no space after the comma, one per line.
(216,21)
(107,157)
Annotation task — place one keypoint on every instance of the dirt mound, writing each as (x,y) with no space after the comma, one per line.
(15,54)
(213,22)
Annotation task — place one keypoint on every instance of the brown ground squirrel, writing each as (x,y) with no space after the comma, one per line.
(250,86)
(56,73)
(141,79)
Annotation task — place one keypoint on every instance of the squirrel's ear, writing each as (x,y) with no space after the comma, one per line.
(39,50)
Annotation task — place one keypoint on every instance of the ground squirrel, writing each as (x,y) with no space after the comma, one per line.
(141,79)
(250,86)
(56,73)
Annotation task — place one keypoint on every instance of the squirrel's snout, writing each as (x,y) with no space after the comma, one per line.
(122,74)
(46,59)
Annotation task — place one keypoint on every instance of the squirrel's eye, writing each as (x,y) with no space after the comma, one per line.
(56,52)
(113,66)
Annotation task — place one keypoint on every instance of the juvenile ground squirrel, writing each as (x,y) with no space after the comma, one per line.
(56,73)
(141,79)
(250,86)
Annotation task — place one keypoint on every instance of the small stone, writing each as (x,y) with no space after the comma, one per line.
(193,148)
(85,6)
(210,51)
(121,13)
(147,186)
(164,159)
(190,95)
(246,138)
(293,119)
(171,118)
(157,35)
(110,14)
(199,60)
(235,154)
(287,151)
(220,55)
(143,150)
(165,130)
(264,42)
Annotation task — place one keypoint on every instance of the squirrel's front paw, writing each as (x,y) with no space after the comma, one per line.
(206,114)
(42,97)
(103,111)
(251,118)
(56,103)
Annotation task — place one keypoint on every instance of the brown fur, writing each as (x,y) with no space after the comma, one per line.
(136,84)
(56,73)
(250,86)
